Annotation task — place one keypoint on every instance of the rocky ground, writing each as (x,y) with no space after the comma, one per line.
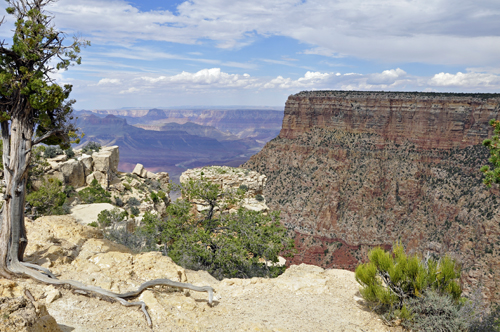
(304,298)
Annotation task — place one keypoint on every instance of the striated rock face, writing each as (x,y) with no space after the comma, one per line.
(428,120)
(354,170)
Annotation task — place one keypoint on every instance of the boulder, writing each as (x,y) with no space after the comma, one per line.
(58,159)
(101,178)
(86,161)
(73,173)
(102,161)
(140,171)
(114,157)
(151,175)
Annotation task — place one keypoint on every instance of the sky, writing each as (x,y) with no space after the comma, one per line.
(162,53)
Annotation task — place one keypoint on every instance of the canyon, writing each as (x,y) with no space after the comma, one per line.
(175,140)
(354,170)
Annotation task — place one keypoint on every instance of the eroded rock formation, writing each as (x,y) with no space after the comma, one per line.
(353,170)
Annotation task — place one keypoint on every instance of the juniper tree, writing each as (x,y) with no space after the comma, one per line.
(34,109)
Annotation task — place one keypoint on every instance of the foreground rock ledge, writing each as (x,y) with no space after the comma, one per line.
(304,298)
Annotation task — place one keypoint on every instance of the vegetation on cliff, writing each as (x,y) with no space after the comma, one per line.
(207,229)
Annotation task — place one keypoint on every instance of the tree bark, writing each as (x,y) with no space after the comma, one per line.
(16,155)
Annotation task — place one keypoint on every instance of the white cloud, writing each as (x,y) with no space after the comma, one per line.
(108,81)
(427,31)
(386,77)
(467,80)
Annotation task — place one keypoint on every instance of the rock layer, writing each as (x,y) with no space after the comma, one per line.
(354,170)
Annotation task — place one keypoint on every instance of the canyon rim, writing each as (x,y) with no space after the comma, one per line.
(354,170)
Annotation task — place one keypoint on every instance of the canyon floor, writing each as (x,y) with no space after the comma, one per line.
(304,298)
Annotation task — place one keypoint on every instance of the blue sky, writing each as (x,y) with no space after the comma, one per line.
(153,53)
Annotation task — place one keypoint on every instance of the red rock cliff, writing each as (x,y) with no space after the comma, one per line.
(353,170)
(428,120)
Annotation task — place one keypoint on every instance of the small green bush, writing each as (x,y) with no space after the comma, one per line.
(391,280)
(154,197)
(435,312)
(91,147)
(94,194)
(163,196)
(49,199)
(118,201)
(244,187)
(69,152)
(52,151)
(259,197)
(107,218)
(132,201)
(134,211)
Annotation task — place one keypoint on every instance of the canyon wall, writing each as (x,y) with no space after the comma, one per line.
(354,170)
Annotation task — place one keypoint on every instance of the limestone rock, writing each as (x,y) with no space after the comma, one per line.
(102,161)
(73,173)
(86,161)
(51,294)
(140,171)
(87,213)
(101,178)
(57,159)
(151,175)
(114,157)
(21,315)
(233,178)
(163,178)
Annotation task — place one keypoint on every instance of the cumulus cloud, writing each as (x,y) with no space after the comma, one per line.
(386,77)
(468,80)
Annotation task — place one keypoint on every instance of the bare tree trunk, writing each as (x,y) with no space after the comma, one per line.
(16,156)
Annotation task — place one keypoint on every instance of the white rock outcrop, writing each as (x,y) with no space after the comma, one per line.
(81,170)
(231,177)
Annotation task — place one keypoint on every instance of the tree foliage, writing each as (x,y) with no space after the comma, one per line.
(225,239)
(49,199)
(493,143)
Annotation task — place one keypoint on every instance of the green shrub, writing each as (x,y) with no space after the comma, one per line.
(132,201)
(390,280)
(259,197)
(134,211)
(244,187)
(136,241)
(52,151)
(127,187)
(435,312)
(94,194)
(163,196)
(154,197)
(49,199)
(118,201)
(69,152)
(222,242)
(91,147)
(107,218)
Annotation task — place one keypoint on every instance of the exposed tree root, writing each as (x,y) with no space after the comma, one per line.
(47,277)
